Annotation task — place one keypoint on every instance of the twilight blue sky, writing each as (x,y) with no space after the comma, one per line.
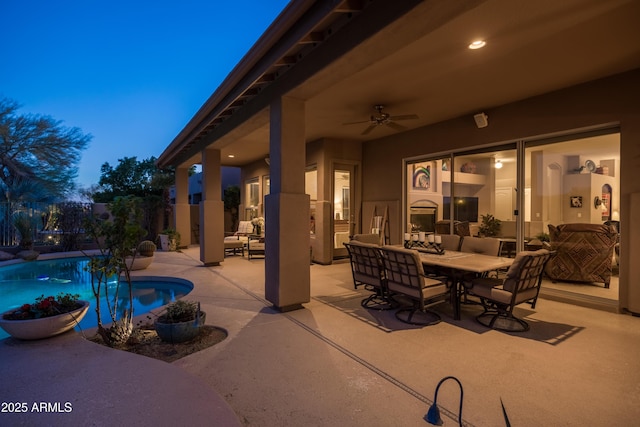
(130,73)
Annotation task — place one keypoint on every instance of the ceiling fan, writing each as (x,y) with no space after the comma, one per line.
(382,118)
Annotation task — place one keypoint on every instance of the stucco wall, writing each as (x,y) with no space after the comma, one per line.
(324,154)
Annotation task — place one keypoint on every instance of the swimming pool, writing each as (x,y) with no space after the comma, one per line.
(24,282)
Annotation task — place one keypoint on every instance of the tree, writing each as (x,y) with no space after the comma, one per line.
(37,152)
(133,177)
(231,203)
(117,235)
(129,177)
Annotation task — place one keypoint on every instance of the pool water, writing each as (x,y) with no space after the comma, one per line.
(23,283)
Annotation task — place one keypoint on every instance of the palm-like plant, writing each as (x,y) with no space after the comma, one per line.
(25,226)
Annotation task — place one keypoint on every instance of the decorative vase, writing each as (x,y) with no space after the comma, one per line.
(181,331)
(258,230)
(164,242)
(45,327)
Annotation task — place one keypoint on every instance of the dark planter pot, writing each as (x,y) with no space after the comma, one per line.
(179,332)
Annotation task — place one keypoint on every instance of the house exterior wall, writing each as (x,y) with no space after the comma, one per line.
(323,154)
(611,101)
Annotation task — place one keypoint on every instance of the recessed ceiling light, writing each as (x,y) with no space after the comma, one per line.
(231,156)
(477,44)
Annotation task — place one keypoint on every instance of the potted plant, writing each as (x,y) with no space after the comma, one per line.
(543,237)
(258,225)
(181,322)
(169,239)
(538,242)
(46,317)
(490,226)
(144,256)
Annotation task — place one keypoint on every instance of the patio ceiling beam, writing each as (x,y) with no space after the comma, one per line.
(358,28)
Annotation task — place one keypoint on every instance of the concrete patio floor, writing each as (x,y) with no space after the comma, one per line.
(334,363)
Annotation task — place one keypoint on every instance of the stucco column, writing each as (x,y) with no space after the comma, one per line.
(287,240)
(182,213)
(211,210)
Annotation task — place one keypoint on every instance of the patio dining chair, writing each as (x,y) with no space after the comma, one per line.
(405,277)
(483,246)
(450,242)
(499,297)
(367,270)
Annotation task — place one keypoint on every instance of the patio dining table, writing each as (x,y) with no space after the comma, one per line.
(459,263)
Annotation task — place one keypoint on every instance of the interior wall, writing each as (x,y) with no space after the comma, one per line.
(611,101)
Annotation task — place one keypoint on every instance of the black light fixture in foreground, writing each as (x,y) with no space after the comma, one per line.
(433,414)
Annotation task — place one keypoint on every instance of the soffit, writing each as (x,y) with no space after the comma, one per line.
(420,65)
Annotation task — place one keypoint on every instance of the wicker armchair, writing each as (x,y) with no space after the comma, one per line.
(584,252)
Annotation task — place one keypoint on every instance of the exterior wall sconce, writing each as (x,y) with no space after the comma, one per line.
(482,120)
(498,164)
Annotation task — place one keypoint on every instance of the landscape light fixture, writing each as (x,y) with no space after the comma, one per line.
(433,415)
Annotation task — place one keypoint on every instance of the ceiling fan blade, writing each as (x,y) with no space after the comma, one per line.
(396,126)
(405,117)
(356,123)
(369,129)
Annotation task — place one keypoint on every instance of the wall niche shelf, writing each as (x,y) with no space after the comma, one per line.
(465,178)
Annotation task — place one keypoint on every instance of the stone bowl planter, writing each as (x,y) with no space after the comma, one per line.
(139,263)
(35,329)
(179,332)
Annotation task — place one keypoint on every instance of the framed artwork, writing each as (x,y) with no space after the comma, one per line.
(576,201)
(422,177)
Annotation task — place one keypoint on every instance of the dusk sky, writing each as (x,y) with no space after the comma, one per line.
(130,73)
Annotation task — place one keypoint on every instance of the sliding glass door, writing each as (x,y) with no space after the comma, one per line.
(343,199)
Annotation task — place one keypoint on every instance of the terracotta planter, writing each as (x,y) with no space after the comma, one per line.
(179,332)
(35,329)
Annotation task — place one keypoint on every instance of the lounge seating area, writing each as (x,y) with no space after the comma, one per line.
(244,241)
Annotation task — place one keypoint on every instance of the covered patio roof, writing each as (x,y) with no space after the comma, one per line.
(344,57)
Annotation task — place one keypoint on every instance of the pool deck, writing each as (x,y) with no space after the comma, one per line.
(332,363)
